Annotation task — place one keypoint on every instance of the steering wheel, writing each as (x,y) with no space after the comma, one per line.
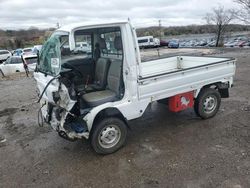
(73,68)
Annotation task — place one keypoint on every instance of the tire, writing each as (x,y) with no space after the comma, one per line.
(207,103)
(108,136)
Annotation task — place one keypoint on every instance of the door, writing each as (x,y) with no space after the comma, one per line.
(16,65)
(6,67)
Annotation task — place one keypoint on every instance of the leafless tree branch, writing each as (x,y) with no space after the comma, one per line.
(244,13)
(221,18)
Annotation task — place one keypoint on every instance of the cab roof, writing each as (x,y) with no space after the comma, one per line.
(71,27)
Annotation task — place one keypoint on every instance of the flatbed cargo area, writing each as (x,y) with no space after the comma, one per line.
(178,63)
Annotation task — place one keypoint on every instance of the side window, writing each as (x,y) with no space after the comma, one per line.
(142,40)
(16,60)
(13,61)
(65,50)
(83,43)
(151,40)
(113,42)
(8,61)
(4,52)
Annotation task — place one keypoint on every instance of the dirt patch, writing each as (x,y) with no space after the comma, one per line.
(8,112)
(15,76)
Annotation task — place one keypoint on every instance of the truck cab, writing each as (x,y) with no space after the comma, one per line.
(94,95)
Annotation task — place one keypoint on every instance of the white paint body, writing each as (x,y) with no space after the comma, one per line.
(31,66)
(148,81)
(9,69)
(4,54)
(148,41)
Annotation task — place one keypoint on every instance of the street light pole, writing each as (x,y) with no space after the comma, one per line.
(160,28)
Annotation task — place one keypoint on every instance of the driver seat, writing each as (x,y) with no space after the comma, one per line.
(113,87)
(101,69)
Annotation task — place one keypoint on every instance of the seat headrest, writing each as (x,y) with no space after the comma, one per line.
(97,45)
(118,43)
(102,43)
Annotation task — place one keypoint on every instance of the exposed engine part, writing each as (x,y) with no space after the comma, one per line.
(77,125)
(56,96)
(55,119)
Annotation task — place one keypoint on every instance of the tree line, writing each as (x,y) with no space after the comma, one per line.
(191,29)
(13,39)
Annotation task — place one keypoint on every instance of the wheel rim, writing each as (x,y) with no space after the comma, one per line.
(109,136)
(210,104)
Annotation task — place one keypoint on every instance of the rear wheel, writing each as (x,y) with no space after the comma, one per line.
(207,103)
(108,136)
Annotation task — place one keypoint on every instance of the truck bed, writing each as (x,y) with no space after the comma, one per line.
(167,77)
(177,63)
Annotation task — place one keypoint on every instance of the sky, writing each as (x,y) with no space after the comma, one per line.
(22,14)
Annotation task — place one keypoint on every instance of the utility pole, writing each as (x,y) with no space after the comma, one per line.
(160,28)
(57,25)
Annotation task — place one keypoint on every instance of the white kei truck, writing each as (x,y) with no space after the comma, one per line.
(94,95)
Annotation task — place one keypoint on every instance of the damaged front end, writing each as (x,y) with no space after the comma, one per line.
(58,100)
(63,115)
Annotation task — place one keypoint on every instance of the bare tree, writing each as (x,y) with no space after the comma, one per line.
(244,13)
(221,18)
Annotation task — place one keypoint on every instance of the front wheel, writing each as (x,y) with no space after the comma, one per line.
(207,103)
(108,135)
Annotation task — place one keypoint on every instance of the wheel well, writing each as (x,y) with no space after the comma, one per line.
(213,85)
(221,87)
(109,112)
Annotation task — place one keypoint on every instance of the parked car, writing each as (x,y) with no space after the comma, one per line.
(82,47)
(156,42)
(37,48)
(212,44)
(30,61)
(146,42)
(163,42)
(27,51)
(122,86)
(241,44)
(11,65)
(17,52)
(203,43)
(4,54)
(231,44)
(246,45)
(174,44)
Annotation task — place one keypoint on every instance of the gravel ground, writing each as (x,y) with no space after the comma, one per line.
(163,149)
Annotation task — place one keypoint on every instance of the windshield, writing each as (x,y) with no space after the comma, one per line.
(4,52)
(50,55)
(31,60)
(27,50)
(13,60)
